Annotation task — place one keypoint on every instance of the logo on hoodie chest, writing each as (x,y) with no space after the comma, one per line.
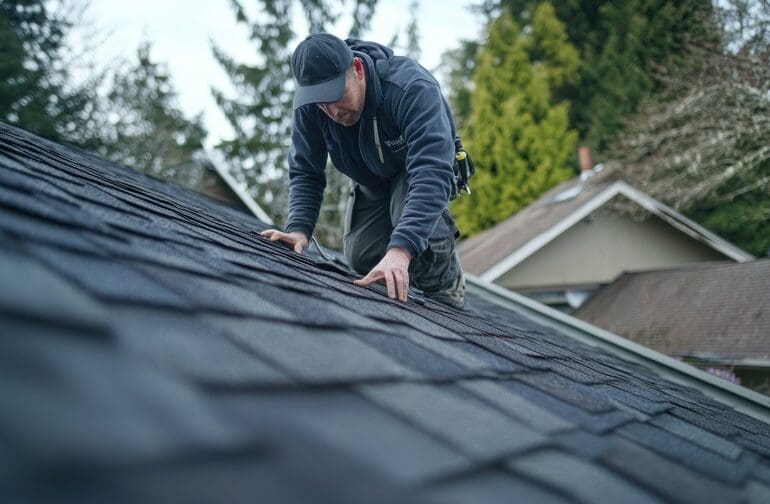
(395,144)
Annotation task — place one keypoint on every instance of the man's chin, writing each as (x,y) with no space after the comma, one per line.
(348,122)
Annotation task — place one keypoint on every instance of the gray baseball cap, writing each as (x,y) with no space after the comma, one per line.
(319,64)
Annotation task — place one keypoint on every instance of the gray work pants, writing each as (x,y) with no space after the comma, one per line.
(371,216)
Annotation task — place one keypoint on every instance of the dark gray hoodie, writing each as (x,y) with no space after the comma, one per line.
(406,125)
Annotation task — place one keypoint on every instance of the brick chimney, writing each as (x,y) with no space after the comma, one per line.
(585,162)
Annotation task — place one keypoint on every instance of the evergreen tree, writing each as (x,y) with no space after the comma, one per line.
(625,47)
(36,89)
(261,112)
(146,130)
(518,135)
(705,151)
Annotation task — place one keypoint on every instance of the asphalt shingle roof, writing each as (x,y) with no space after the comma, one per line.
(705,310)
(154,348)
(481,252)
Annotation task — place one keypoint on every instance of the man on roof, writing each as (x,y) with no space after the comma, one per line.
(384,122)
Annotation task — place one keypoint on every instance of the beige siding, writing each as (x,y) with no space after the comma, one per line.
(602,246)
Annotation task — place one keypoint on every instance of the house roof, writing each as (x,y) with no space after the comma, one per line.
(155,348)
(495,251)
(718,312)
(219,166)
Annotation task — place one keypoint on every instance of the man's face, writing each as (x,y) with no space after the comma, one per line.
(348,109)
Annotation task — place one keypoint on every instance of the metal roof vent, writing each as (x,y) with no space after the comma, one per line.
(567,194)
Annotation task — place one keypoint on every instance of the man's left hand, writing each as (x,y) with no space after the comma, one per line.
(393,269)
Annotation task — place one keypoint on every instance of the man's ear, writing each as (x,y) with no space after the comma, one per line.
(358,67)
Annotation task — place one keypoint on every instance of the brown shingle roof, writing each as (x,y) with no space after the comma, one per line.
(718,310)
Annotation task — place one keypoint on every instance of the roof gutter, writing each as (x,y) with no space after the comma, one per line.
(745,364)
(740,398)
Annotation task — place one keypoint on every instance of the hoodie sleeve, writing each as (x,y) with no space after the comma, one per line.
(307,178)
(427,129)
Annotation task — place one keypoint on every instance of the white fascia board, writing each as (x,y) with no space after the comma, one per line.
(742,399)
(684,224)
(550,234)
(245,198)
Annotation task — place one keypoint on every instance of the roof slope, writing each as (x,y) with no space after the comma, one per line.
(711,310)
(494,252)
(154,348)
(481,252)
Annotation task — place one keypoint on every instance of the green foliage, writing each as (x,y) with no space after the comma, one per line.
(136,124)
(625,50)
(36,90)
(745,221)
(517,133)
(146,130)
(705,150)
(261,112)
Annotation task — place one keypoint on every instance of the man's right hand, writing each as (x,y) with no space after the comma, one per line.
(296,239)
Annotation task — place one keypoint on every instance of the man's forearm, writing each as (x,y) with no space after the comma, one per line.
(305,197)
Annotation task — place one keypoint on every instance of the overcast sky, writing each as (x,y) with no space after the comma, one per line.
(181,31)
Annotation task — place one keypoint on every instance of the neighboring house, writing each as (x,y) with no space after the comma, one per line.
(710,315)
(581,235)
(154,348)
(217,183)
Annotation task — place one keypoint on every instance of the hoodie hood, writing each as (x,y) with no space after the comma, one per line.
(377,52)
(376,58)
